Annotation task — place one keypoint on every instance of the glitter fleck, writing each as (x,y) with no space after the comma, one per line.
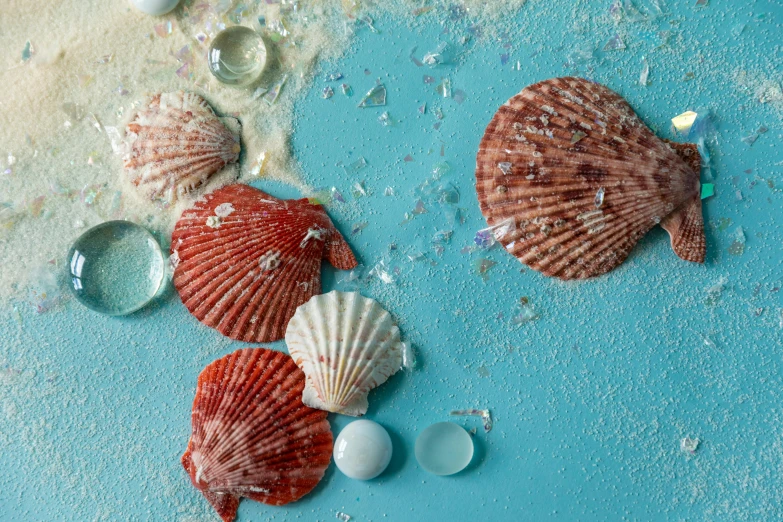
(486,416)
(375,97)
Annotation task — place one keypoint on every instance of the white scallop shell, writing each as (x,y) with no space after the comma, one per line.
(346,345)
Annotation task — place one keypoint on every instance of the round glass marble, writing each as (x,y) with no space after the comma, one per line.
(444,448)
(362,450)
(115,268)
(237,56)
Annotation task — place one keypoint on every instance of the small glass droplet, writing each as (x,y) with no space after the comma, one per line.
(444,448)
(115,268)
(237,56)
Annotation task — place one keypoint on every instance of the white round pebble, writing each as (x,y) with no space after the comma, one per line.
(155,7)
(362,450)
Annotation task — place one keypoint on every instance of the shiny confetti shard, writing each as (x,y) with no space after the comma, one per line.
(486,416)
(615,43)
(751,139)
(388,191)
(375,97)
(334,76)
(423,109)
(644,76)
(357,228)
(382,271)
(459,96)
(369,23)
(488,237)
(444,88)
(599,197)
(689,445)
(482,266)
(344,517)
(441,55)
(352,280)
(408,356)
(505,167)
(28,52)
(440,240)
(684,122)
(355,166)
(428,79)
(327,93)
(707,190)
(385,119)
(277,30)
(577,137)
(408,159)
(164,29)
(358,190)
(715,292)
(346,89)
(336,195)
(737,247)
(273,93)
(419,208)
(523,313)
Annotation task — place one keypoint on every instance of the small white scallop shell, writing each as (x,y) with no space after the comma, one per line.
(346,345)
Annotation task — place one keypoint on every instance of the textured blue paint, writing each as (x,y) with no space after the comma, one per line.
(590,401)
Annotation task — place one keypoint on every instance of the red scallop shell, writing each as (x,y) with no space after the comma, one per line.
(251,434)
(245,273)
(572,178)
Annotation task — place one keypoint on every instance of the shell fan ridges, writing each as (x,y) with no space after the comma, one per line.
(346,345)
(581,179)
(246,260)
(251,434)
(175,144)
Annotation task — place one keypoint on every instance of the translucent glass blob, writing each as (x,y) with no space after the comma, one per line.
(363,450)
(444,448)
(155,7)
(115,268)
(237,56)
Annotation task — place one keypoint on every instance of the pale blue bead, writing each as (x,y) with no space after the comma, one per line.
(444,448)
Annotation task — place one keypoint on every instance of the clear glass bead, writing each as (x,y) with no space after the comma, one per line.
(237,56)
(115,268)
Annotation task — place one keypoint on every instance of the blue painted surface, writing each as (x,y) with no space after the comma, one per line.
(590,401)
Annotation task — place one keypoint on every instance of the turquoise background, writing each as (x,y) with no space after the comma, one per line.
(590,401)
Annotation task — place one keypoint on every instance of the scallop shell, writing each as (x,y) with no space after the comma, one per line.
(252,436)
(246,260)
(571,179)
(347,345)
(175,144)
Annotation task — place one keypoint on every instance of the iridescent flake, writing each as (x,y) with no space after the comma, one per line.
(444,88)
(486,416)
(358,190)
(482,266)
(356,166)
(599,197)
(327,93)
(577,137)
(684,122)
(346,89)
(375,97)
(615,43)
(358,227)
(505,167)
(273,93)
(384,119)
(707,190)
(334,76)
(27,52)
(644,77)
(689,445)
(523,313)
(336,195)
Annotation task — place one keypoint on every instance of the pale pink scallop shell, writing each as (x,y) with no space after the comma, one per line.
(572,178)
(175,144)
(251,434)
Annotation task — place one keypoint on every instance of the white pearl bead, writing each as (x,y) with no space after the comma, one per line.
(363,450)
(155,7)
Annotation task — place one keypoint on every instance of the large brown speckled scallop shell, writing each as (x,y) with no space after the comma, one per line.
(175,144)
(572,179)
(246,260)
(251,434)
